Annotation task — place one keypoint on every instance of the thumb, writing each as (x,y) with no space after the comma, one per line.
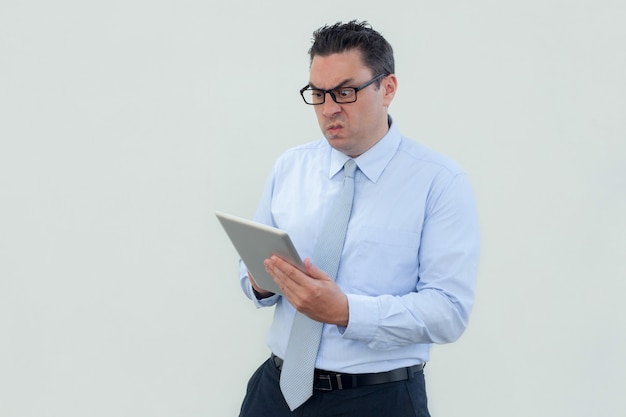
(313,271)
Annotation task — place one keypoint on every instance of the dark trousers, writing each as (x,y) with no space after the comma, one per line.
(398,399)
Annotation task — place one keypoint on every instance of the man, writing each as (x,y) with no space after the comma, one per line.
(406,271)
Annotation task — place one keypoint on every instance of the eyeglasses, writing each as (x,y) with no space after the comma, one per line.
(340,95)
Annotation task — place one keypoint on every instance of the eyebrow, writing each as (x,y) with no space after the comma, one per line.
(342,84)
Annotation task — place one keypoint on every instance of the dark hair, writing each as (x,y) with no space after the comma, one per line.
(376,52)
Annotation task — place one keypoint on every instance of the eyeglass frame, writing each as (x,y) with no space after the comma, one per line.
(332,94)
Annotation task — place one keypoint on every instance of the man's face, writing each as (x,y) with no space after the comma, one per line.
(351,128)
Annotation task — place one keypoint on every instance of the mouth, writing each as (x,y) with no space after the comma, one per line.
(334,128)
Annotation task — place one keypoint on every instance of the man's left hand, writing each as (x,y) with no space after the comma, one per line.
(311,292)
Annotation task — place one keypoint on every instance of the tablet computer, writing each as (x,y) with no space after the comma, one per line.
(256,242)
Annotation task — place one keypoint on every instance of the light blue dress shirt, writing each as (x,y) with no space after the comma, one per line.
(410,257)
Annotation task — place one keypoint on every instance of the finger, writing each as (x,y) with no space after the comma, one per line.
(285,268)
(284,274)
(314,271)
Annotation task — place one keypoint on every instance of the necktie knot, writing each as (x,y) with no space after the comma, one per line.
(349,168)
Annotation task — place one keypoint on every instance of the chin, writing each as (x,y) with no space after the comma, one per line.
(347,150)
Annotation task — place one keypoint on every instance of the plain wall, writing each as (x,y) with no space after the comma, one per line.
(125,125)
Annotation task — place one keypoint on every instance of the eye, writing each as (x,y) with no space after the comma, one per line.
(345,93)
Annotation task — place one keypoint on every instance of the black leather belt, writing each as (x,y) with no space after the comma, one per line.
(328,381)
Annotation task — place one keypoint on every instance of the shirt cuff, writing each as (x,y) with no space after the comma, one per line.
(363,319)
(264,302)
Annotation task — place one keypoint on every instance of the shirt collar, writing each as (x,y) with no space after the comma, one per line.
(373,162)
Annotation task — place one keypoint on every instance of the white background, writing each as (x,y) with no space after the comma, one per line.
(125,124)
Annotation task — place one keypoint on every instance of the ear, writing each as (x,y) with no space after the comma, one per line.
(389,86)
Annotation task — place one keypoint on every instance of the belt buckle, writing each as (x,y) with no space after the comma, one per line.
(325,378)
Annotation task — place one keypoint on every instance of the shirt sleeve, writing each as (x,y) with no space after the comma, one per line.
(439,309)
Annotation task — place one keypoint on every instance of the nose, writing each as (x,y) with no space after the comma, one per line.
(329,107)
